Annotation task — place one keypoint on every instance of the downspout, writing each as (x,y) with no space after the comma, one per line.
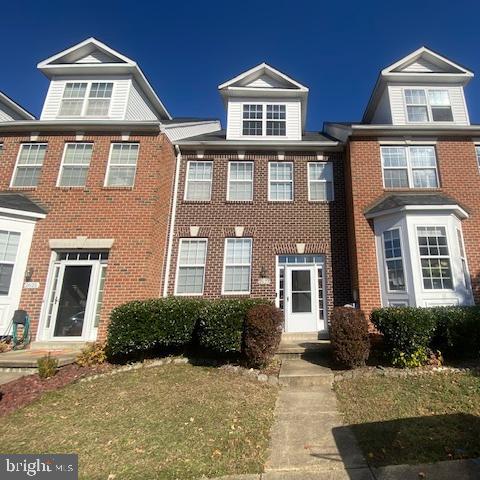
(172,221)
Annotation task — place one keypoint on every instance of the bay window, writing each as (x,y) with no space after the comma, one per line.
(393,260)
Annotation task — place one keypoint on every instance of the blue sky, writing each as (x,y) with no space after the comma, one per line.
(187,49)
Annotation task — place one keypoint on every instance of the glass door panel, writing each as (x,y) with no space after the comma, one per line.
(301,291)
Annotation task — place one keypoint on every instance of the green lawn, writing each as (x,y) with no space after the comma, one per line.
(171,422)
(414,419)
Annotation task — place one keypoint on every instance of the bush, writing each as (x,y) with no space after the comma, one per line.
(222,322)
(349,336)
(93,354)
(263,331)
(140,326)
(47,366)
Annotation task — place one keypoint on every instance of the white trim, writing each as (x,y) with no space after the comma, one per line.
(105,184)
(250,239)
(14,174)
(284,181)
(240,181)
(187,171)
(459,211)
(80,242)
(60,170)
(428,105)
(402,258)
(327,164)
(180,241)
(263,120)
(21,213)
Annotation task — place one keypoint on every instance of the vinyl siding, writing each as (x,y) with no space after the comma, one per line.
(397,103)
(179,132)
(383,114)
(118,104)
(7,114)
(235,114)
(138,107)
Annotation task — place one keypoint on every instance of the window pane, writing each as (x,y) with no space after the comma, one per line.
(281,171)
(241,171)
(8,245)
(32,154)
(238,251)
(276,112)
(439,98)
(75,90)
(190,280)
(252,128)
(124,154)
(192,252)
(75,164)
(122,165)
(423,157)
(442,114)
(281,191)
(78,153)
(397,178)
(29,165)
(241,191)
(191,266)
(417,114)
(321,191)
(252,112)
(394,156)
(6,271)
(237,265)
(121,177)
(425,178)
(199,170)
(199,181)
(73,97)
(71,108)
(277,128)
(415,97)
(237,279)
(396,277)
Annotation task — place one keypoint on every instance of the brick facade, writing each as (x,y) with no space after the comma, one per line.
(275,227)
(459,178)
(136,218)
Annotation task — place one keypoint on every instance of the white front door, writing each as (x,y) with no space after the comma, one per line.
(72,300)
(301,299)
(15,240)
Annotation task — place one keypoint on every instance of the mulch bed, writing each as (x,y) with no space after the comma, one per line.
(24,390)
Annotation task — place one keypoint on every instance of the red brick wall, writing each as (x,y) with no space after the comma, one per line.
(459,178)
(135,217)
(274,226)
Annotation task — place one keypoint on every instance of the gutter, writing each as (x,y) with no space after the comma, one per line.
(262,146)
(414,130)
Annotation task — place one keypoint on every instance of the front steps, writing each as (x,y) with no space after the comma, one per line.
(298,345)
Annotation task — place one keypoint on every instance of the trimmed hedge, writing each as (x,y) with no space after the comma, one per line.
(221,323)
(411,332)
(349,336)
(263,331)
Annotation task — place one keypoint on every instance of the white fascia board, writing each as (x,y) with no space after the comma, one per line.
(21,213)
(83,125)
(459,211)
(428,77)
(336,146)
(190,124)
(15,107)
(413,130)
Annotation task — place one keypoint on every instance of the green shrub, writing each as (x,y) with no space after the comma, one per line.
(92,354)
(47,366)
(349,336)
(222,322)
(263,331)
(140,326)
(407,333)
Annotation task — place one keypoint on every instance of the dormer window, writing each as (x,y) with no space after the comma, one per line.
(257,123)
(428,105)
(89,99)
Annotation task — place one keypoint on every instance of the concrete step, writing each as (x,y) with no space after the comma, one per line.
(301,372)
(26,360)
(298,348)
(57,345)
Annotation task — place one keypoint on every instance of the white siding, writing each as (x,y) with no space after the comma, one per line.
(383,114)
(7,114)
(97,56)
(235,118)
(184,131)
(420,65)
(139,107)
(397,103)
(118,105)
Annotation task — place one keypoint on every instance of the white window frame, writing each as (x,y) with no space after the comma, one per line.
(477,153)
(449,257)
(11,262)
(270,163)
(187,171)
(107,173)
(385,260)
(409,167)
(239,181)
(427,105)
(264,120)
(237,265)
(14,174)
(62,164)
(310,181)
(83,112)
(463,257)
(197,239)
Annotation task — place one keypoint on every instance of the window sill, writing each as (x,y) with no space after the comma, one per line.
(241,202)
(118,188)
(23,188)
(199,202)
(413,189)
(279,201)
(77,188)
(321,202)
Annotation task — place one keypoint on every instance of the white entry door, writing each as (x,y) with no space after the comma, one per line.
(301,299)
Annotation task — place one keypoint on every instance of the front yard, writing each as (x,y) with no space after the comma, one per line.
(413,420)
(170,422)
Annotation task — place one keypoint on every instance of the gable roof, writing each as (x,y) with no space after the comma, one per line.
(15,107)
(93,57)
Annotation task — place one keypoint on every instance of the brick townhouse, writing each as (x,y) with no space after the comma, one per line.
(107,198)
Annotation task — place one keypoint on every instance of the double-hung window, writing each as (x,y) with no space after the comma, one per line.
(320,181)
(91,99)
(268,120)
(252,120)
(434,258)
(199,181)
(75,164)
(409,167)
(280,181)
(428,105)
(463,258)
(192,256)
(393,260)
(29,164)
(276,120)
(8,253)
(237,265)
(122,165)
(477,152)
(240,181)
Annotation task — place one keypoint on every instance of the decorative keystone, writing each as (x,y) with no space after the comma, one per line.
(300,248)
(194,231)
(239,231)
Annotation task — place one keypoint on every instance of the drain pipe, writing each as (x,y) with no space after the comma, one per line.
(172,221)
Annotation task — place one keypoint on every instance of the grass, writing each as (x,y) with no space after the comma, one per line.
(171,422)
(413,420)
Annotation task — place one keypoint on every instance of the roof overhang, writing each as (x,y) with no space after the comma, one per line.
(366,130)
(6,100)
(263,146)
(12,212)
(456,209)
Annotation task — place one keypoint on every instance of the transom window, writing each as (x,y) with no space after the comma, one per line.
(240,181)
(122,165)
(264,120)
(434,258)
(90,99)
(320,181)
(393,260)
(29,164)
(192,255)
(237,265)
(75,164)
(199,181)
(428,105)
(280,181)
(409,167)
(8,253)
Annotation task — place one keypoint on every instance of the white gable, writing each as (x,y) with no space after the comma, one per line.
(10,110)
(97,56)
(265,81)
(419,65)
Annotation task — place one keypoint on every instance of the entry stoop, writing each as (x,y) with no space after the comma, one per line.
(305,372)
(299,345)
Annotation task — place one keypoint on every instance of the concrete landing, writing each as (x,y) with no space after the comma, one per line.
(305,372)
(22,360)
(298,346)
